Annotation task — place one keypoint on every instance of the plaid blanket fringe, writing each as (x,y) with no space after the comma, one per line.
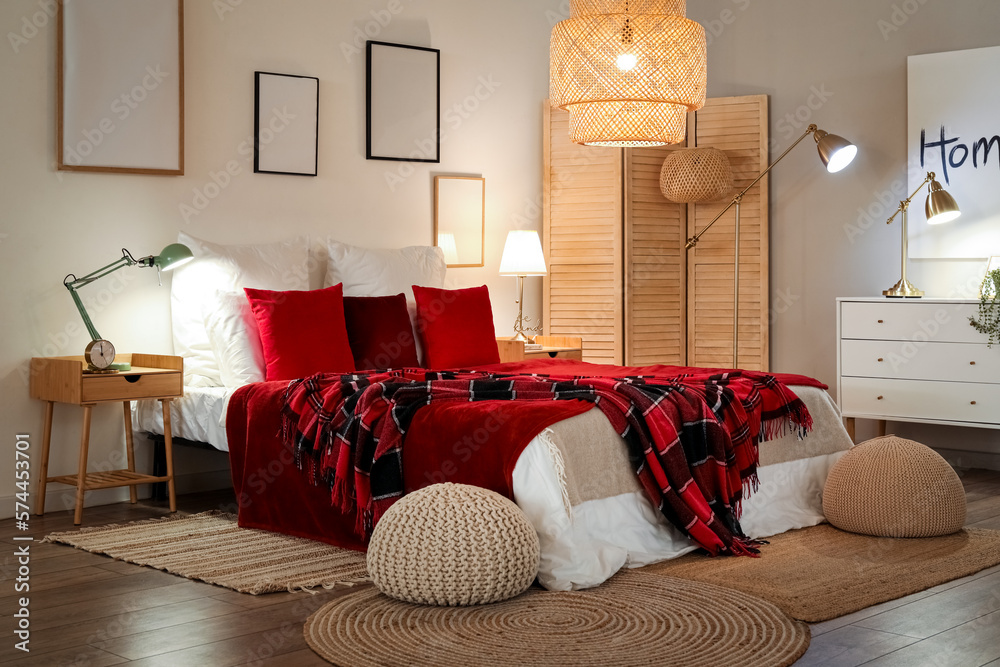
(692,439)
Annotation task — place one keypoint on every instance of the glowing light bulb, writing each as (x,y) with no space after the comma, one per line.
(627,61)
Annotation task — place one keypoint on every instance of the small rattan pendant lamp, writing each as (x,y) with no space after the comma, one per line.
(628,71)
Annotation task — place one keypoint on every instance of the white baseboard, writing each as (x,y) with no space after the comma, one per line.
(59,497)
(978,460)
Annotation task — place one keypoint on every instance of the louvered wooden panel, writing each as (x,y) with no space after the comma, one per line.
(654,264)
(583,241)
(738,126)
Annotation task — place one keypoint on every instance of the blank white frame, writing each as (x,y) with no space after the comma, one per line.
(460,210)
(404,103)
(120,71)
(286,124)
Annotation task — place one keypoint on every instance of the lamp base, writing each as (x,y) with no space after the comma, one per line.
(904,289)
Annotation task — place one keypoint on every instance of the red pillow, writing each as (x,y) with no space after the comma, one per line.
(380,332)
(303,333)
(456,327)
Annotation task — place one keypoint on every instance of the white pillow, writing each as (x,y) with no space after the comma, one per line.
(218,268)
(235,339)
(367,272)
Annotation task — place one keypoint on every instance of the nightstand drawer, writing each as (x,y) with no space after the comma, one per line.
(918,400)
(920,322)
(952,362)
(560,354)
(125,386)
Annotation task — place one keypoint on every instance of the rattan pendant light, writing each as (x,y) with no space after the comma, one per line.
(628,71)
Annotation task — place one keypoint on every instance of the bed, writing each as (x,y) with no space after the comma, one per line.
(586,534)
(572,479)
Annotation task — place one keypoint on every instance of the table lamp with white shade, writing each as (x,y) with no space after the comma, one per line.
(522,257)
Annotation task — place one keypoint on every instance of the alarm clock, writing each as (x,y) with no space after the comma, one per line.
(100,355)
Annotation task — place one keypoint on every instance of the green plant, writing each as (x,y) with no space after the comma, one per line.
(989,308)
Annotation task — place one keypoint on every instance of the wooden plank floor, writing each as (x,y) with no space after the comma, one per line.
(956,624)
(90,610)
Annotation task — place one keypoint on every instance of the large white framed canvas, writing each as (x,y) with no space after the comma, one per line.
(957,94)
(120,70)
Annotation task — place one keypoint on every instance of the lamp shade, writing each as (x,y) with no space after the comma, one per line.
(174,255)
(446,241)
(940,207)
(836,152)
(693,175)
(628,71)
(522,255)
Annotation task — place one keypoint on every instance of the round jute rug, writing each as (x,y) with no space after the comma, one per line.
(630,620)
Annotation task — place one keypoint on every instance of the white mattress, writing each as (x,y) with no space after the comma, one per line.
(585,545)
(200,416)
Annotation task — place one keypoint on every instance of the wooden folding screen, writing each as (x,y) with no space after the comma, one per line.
(738,126)
(654,298)
(583,242)
(619,275)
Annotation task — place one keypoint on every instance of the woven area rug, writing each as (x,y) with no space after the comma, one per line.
(630,620)
(210,547)
(820,573)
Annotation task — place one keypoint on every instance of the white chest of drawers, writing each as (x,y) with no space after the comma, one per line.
(915,361)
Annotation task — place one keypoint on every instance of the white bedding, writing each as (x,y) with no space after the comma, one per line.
(584,545)
(200,416)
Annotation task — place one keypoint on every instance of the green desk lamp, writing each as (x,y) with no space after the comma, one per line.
(100,353)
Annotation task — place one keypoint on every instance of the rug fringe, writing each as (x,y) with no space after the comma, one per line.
(52,538)
(312,589)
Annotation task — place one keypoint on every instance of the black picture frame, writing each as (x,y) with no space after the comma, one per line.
(286,141)
(403,102)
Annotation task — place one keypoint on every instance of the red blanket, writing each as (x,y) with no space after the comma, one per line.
(692,439)
(474,443)
(566,368)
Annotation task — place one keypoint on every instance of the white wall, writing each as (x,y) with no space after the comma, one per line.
(842,65)
(57,222)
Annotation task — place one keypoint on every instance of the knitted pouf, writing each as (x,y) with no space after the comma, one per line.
(891,487)
(452,545)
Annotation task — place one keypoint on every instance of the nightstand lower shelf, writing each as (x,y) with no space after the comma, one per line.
(111,479)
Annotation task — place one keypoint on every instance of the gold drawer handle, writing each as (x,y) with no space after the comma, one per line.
(972,363)
(880,360)
(973,403)
(881,321)
(881,397)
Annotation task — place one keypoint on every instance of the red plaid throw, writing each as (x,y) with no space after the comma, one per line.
(692,439)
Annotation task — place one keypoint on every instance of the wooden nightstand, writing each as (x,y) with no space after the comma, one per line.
(553,347)
(62,380)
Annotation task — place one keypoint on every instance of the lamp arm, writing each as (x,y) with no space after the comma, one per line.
(125,260)
(83,313)
(72,283)
(693,241)
(905,204)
